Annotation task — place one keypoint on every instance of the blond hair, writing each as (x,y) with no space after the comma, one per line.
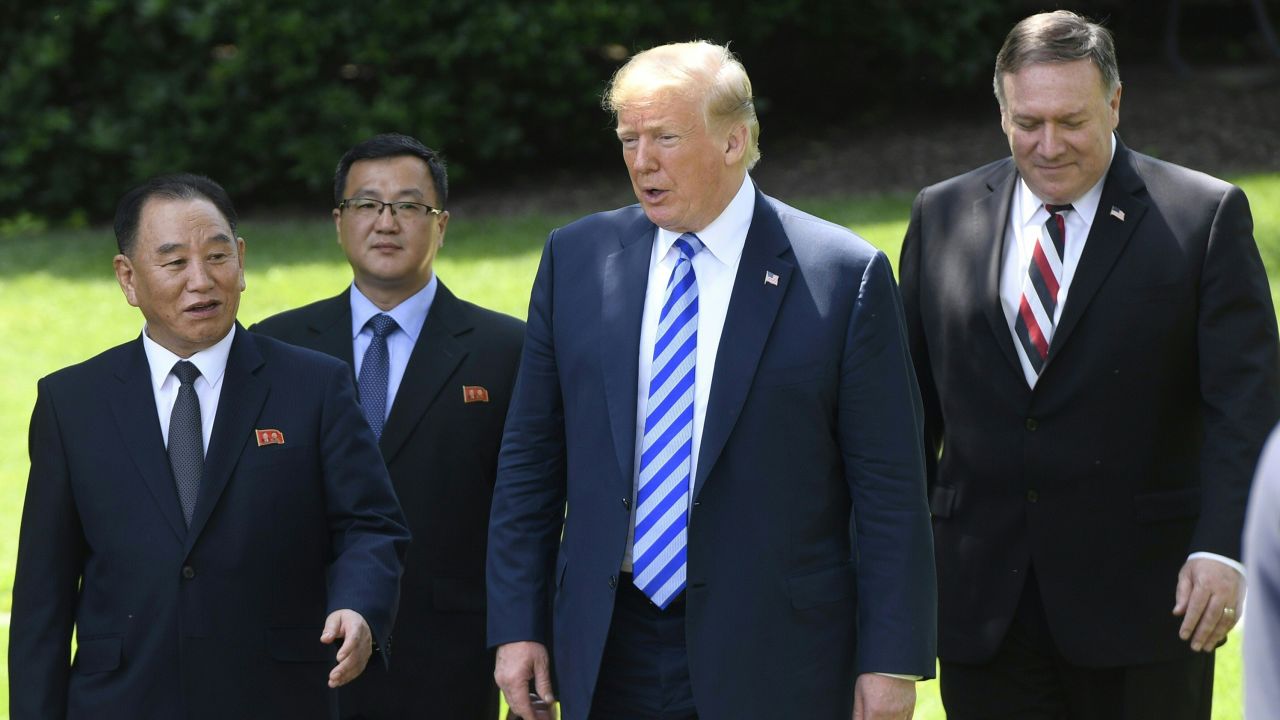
(696,70)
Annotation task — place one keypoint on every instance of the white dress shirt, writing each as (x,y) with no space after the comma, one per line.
(1027,217)
(212,363)
(409,315)
(715,269)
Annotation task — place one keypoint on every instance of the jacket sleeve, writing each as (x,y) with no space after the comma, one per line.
(51,552)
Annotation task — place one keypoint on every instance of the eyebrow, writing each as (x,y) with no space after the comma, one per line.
(169,247)
(371,193)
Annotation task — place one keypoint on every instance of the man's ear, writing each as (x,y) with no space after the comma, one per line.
(736,144)
(124,275)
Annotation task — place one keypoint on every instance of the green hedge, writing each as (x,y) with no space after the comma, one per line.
(97,94)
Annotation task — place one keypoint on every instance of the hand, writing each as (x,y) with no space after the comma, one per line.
(880,697)
(517,664)
(357,645)
(1206,588)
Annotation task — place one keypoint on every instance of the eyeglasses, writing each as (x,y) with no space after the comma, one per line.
(369,209)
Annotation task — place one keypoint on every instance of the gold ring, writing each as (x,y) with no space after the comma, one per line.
(1229,611)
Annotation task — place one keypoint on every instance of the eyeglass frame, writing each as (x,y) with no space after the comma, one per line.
(384,205)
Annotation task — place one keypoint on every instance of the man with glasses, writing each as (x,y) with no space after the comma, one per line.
(435,376)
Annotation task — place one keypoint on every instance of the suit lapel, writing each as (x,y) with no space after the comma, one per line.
(990,226)
(1107,238)
(434,359)
(239,404)
(626,277)
(753,305)
(331,330)
(133,402)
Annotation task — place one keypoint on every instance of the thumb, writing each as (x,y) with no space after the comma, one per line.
(332,626)
(1183,592)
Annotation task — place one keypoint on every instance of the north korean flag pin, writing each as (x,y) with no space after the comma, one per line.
(269,437)
(474,394)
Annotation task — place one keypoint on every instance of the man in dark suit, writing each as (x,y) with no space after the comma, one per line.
(199,584)
(1096,347)
(712,459)
(439,409)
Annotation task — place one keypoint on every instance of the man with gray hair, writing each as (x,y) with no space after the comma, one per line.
(712,467)
(1096,347)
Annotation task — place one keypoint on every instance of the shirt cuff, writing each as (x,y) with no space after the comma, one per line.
(1233,564)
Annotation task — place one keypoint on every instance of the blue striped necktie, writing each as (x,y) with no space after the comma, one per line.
(662,498)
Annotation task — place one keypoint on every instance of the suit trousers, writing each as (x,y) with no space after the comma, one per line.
(644,674)
(1029,679)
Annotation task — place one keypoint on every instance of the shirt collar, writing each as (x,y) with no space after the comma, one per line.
(211,361)
(1086,205)
(409,315)
(727,234)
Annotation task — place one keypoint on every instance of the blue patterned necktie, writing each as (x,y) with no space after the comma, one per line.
(662,498)
(186,441)
(375,373)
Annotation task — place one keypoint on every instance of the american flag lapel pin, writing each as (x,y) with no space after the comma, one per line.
(1117,213)
(770,278)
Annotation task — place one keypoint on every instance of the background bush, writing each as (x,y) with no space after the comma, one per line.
(98,94)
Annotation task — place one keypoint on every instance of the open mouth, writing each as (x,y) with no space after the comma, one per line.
(203,309)
(653,194)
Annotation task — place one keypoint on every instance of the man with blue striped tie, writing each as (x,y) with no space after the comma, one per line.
(712,467)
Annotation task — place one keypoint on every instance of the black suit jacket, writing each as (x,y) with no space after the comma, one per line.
(809,554)
(1138,443)
(442,453)
(222,619)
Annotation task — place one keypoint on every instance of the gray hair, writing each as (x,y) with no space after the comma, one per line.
(1057,37)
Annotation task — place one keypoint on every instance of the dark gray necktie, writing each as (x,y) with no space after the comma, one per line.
(375,372)
(186,442)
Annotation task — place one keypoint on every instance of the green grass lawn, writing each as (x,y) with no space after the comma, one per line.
(59,304)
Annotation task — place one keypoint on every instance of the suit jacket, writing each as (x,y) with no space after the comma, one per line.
(442,453)
(809,554)
(1136,446)
(221,619)
(1262,558)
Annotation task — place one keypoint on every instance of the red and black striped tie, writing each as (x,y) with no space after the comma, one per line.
(1034,324)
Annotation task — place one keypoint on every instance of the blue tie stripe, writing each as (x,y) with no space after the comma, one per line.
(663,415)
(678,372)
(662,495)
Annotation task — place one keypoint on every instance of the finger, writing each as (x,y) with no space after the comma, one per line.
(350,640)
(1212,629)
(332,627)
(1194,609)
(342,673)
(1182,592)
(542,678)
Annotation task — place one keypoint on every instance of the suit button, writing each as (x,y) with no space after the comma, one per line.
(1032,424)
(188,572)
(697,503)
(626,503)
(1033,496)
(613,582)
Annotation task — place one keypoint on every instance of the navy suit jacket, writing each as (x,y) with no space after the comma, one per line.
(222,619)
(810,557)
(442,453)
(1138,443)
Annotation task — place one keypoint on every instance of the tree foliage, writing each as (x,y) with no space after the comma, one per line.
(96,95)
